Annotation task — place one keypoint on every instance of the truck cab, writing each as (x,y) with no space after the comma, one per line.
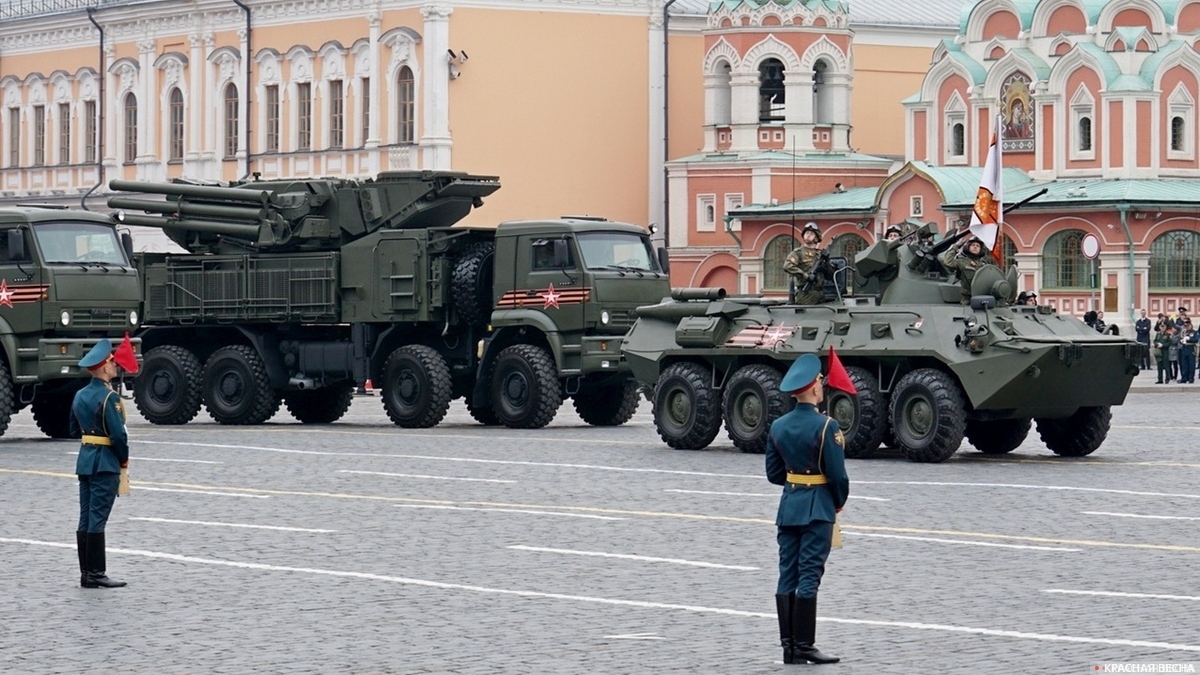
(66,281)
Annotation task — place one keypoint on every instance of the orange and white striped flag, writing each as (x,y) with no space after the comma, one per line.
(989,206)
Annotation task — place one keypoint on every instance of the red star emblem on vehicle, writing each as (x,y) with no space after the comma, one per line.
(5,294)
(551,298)
(777,335)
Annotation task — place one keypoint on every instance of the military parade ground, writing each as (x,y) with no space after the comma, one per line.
(360,547)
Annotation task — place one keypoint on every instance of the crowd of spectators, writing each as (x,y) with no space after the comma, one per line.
(1173,348)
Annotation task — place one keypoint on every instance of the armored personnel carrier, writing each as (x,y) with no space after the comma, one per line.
(299,291)
(929,369)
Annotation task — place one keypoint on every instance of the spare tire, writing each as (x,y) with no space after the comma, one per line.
(471,283)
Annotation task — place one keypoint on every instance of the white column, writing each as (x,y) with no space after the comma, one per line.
(744,112)
(192,113)
(681,207)
(839,93)
(798,110)
(243,104)
(656,130)
(372,140)
(147,160)
(112,112)
(436,141)
(209,153)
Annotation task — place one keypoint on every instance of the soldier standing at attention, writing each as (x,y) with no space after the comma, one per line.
(1142,328)
(806,455)
(966,261)
(801,263)
(98,414)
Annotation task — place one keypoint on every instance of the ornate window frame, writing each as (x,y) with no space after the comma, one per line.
(1083,109)
(1181,105)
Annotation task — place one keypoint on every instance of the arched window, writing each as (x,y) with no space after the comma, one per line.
(1174,260)
(175,153)
(1085,134)
(958,141)
(1177,133)
(406,106)
(770,91)
(1063,263)
(131,128)
(773,276)
(1008,252)
(822,101)
(847,246)
(231,120)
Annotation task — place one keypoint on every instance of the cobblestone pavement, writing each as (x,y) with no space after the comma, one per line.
(359,547)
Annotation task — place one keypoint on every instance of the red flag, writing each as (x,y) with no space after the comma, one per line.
(838,378)
(125,357)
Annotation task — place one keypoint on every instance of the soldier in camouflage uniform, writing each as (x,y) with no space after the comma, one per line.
(801,264)
(965,261)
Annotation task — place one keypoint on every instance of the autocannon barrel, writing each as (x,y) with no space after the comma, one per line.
(188,208)
(240,230)
(244,195)
(698,293)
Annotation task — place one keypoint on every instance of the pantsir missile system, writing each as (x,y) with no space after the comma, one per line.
(299,291)
(929,369)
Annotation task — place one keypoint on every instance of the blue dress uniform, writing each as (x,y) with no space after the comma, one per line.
(805,454)
(98,416)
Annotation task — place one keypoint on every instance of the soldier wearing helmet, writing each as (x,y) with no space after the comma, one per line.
(966,260)
(801,264)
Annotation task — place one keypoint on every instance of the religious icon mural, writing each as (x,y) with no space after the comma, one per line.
(1016,107)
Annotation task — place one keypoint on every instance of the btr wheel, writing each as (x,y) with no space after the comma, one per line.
(167,391)
(687,410)
(525,390)
(6,397)
(416,387)
(52,413)
(1077,435)
(610,405)
(928,415)
(320,406)
(484,415)
(471,283)
(996,437)
(862,418)
(752,401)
(236,388)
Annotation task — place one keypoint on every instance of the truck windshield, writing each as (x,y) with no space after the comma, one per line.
(79,242)
(619,250)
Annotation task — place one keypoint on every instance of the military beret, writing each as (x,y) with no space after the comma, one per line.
(802,374)
(98,355)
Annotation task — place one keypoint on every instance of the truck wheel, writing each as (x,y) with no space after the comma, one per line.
(928,415)
(608,406)
(525,390)
(996,437)
(751,402)
(471,283)
(167,391)
(484,415)
(52,413)
(320,406)
(416,387)
(6,397)
(236,387)
(862,418)
(1077,435)
(687,410)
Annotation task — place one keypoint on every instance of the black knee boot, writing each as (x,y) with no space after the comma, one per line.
(783,608)
(96,563)
(81,546)
(804,633)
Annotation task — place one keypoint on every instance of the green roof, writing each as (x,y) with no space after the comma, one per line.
(1040,67)
(1098,192)
(1108,67)
(960,184)
(1151,64)
(857,200)
(832,5)
(977,71)
(780,157)
(1025,10)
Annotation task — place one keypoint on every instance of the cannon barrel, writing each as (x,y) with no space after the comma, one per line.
(246,195)
(193,224)
(188,208)
(698,293)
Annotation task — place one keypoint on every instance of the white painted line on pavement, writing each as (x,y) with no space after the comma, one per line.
(759,494)
(1028,487)
(635,636)
(1117,594)
(254,527)
(161,459)
(415,475)
(627,556)
(642,604)
(473,460)
(1135,515)
(846,530)
(202,492)
(475,508)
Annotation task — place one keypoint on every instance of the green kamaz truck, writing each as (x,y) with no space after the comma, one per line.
(299,291)
(66,282)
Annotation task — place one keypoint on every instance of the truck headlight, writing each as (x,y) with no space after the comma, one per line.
(133,317)
(604,316)
(65,318)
